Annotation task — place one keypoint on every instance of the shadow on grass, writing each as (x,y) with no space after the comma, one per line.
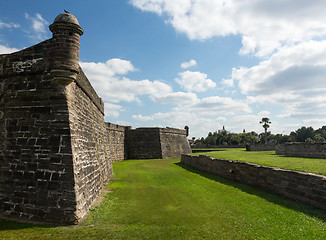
(273,198)
(6,224)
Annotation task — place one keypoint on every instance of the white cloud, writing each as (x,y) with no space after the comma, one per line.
(119,66)
(39,27)
(228,82)
(195,81)
(294,77)
(8,25)
(114,88)
(142,118)
(112,110)
(265,25)
(189,64)
(293,68)
(216,105)
(178,98)
(6,50)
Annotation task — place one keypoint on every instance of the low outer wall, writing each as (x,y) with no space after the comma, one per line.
(310,150)
(307,188)
(260,147)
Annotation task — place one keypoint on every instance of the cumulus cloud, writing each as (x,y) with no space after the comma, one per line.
(142,118)
(112,110)
(6,50)
(228,82)
(179,98)
(189,64)
(294,78)
(112,87)
(264,25)
(38,30)
(216,105)
(194,81)
(198,124)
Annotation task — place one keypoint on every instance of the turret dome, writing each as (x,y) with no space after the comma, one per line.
(64,21)
(66,18)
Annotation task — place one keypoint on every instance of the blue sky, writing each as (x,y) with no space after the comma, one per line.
(201,63)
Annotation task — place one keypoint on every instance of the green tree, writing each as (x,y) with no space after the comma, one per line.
(304,133)
(265,121)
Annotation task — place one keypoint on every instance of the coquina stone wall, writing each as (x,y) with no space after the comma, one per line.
(89,147)
(304,187)
(116,138)
(174,142)
(309,150)
(56,151)
(155,143)
(54,154)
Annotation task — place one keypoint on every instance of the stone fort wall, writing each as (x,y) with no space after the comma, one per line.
(156,143)
(309,150)
(304,187)
(56,150)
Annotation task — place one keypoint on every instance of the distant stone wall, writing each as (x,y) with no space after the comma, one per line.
(260,147)
(116,141)
(143,143)
(307,188)
(309,150)
(174,142)
(156,143)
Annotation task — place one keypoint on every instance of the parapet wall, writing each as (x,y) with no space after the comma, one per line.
(304,187)
(309,150)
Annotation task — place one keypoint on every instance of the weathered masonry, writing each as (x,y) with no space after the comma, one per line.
(296,149)
(303,187)
(56,150)
(146,143)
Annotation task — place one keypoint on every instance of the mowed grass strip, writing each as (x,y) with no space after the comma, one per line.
(268,158)
(164,199)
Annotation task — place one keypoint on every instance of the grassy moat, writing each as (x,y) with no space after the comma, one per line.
(164,199)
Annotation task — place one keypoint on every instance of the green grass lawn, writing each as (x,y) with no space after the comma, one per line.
(164,199)
(268,158)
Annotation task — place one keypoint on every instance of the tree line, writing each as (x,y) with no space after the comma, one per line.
(303,134)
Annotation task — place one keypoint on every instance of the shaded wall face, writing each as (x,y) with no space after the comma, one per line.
(91,153)
(36,168)
(174,143)
(143,143)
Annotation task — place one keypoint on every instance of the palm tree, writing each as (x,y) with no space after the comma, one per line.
(265,121)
